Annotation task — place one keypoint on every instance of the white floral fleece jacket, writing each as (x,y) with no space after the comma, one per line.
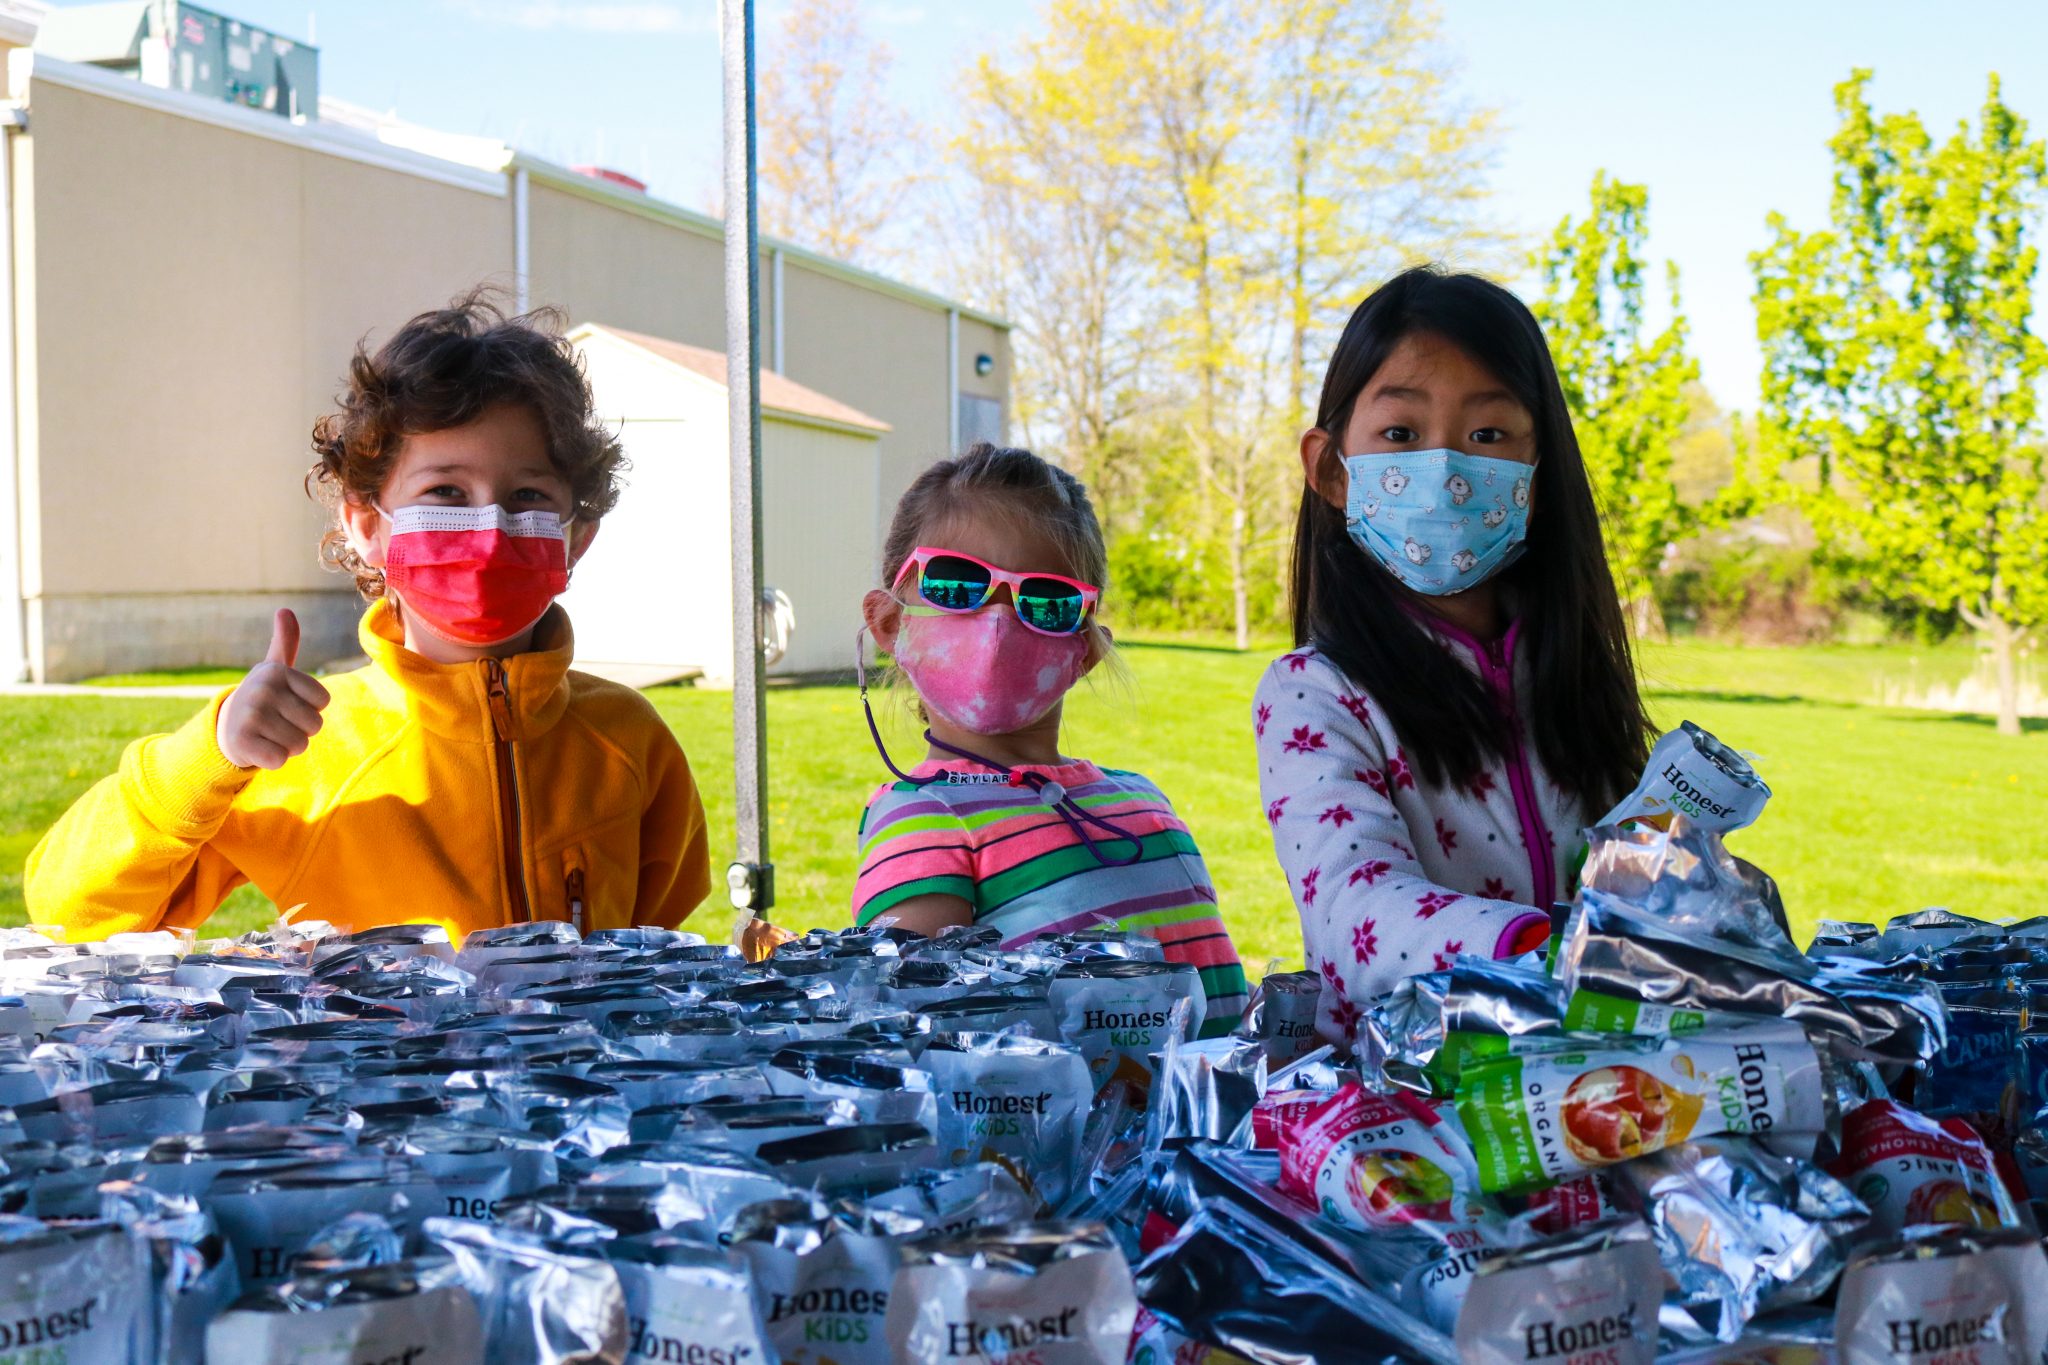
(1392,875)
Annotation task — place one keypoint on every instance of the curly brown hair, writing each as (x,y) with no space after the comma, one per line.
(444,369)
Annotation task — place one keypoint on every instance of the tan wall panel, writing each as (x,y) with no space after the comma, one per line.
(884,355)
(197,291)
(606,264)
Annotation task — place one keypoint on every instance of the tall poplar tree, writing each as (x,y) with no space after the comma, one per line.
(1626,389)
(1900,357)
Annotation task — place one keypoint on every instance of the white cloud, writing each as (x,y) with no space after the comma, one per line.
(596,16)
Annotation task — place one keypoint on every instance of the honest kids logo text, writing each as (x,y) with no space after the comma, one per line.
(1690,799)
(41,1338)
(1590,1342)
(1126,1028)
(1012,1340)
(832,1315)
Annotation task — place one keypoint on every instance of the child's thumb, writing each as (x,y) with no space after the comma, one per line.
(284,639)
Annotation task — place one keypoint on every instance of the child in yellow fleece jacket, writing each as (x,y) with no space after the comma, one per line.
(465,776)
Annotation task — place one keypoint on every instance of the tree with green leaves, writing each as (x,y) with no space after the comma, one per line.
(1627,391)
(1900,360)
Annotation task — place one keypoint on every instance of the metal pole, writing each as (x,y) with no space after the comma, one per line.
(751,877)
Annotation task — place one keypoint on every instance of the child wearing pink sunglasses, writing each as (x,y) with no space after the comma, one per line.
(993,562)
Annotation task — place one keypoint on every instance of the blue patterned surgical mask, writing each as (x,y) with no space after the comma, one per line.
(1438,520)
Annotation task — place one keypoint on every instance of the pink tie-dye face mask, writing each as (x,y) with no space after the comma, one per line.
(985,671)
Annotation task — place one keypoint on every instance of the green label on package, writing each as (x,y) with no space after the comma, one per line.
(1546,1117)
(1592,1012)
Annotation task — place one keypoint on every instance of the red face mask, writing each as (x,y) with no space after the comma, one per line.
(476,575)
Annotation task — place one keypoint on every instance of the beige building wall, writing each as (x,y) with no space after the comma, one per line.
(885,355)
(603,260)
(189,296)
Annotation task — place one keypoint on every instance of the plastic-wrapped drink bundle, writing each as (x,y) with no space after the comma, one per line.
(1694,775)
(882,1080)
(707,1033)
(192,1274)
(189,1163)
(1538,1119)
(1926,931)
(687,1301)
(1283,1015)
(1105,940)
(1684,874)
(541,1303)
(1205,1089)
(1945,1298)
(1739,1231)
(575,1114)
(1019,1102)
(1980,1071)
(1057,1292)
(1117,1011)
(957,1199)
(511,942)
(113,1112)
(822,1279)
(720,1182)
(390,941)
(1024,1007)
(651,1083)
(268,1216)
(1233,1280)
(79,1294)
(852,1157)
(474,1168)
(1911,1170)
(411,1312)
(1374,1161)
(1617,950)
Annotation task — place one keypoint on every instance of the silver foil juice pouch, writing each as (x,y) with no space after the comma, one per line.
(402,1314)
(1953,1297)
(1284,1017)
(1590,1295)
(1056,1293)
(1740,1231)
(1119,1011)
(79,1295)
(687,1303)
(541,1303)
(1694,775)
(1016,1101)
(823,1288)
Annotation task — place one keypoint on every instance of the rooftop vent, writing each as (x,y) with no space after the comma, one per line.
(612,177)
(176,46)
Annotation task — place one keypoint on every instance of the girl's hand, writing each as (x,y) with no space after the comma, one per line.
(275,711)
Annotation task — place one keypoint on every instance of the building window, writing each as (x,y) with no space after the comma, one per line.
(981,419)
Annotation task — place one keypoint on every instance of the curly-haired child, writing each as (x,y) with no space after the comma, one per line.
(465,776)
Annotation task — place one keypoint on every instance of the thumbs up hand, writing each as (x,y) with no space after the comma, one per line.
(269,718)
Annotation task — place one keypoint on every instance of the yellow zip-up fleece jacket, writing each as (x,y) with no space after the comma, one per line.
(467,795)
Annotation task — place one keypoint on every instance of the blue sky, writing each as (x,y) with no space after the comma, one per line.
(1723,109)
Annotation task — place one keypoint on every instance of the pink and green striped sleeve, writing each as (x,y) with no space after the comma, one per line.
(911,844)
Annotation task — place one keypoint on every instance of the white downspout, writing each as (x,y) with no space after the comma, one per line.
(953,381)
(522,292)
(776,361)
(13,607)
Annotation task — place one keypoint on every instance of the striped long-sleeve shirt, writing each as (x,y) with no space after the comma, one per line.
(963,830)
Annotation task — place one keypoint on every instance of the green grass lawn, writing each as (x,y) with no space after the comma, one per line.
(1876,811)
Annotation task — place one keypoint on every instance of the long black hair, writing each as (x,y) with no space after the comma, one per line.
(1584,712)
